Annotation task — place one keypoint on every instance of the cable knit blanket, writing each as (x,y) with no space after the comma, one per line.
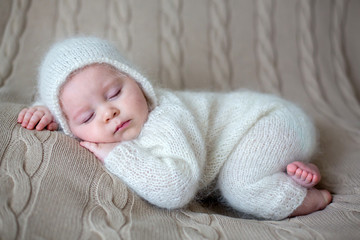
(305,51)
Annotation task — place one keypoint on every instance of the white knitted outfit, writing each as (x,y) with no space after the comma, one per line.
(243,140)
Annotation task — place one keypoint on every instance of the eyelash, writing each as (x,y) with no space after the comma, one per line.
(87,120)
(117,92)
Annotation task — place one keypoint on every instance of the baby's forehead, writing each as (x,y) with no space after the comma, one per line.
(104,66)
(101,74)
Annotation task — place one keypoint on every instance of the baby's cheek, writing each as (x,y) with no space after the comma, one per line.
(80,133)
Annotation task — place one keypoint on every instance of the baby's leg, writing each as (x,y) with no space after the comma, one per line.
(253,180)
(305,174)
(273,197)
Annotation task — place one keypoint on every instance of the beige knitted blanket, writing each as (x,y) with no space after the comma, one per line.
(306,51)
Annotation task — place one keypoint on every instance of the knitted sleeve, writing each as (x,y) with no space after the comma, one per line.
(164,165)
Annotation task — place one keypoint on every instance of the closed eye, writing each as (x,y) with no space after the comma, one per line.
(88,118)
(115,93)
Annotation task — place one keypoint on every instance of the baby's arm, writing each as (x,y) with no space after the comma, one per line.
(164,164)
(165,181)
(37,117)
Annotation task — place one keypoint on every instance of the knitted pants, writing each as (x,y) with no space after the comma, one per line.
(253,180)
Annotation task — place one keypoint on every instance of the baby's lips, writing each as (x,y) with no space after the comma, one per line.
(121,125)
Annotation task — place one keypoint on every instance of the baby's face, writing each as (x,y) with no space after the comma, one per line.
(102,105)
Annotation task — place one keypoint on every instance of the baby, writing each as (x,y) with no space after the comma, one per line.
(170,146)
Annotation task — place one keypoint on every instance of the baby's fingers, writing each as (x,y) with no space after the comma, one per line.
(45,119)
(22,115)
(37,118)
(27,117)
(94,148)
(53,126)
(89,145)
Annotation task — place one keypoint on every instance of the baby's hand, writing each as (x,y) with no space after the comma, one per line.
(100,150)
(37,117)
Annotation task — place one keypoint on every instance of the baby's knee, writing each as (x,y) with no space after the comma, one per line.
(304,131)
(292,131)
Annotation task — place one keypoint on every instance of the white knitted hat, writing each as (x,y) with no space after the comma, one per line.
(71,54)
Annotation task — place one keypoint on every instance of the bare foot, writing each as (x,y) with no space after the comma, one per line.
(305,174)
(315,200)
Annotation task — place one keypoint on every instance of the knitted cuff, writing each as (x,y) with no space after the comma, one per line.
(292,196)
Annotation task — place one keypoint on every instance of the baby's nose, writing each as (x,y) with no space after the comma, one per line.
(111,113)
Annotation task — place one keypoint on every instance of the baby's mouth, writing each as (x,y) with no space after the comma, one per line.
(122,125)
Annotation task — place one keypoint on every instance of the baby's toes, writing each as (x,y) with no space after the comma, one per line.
(309,178)
(291,169)
(304,175)
(315,179)
(298,173)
